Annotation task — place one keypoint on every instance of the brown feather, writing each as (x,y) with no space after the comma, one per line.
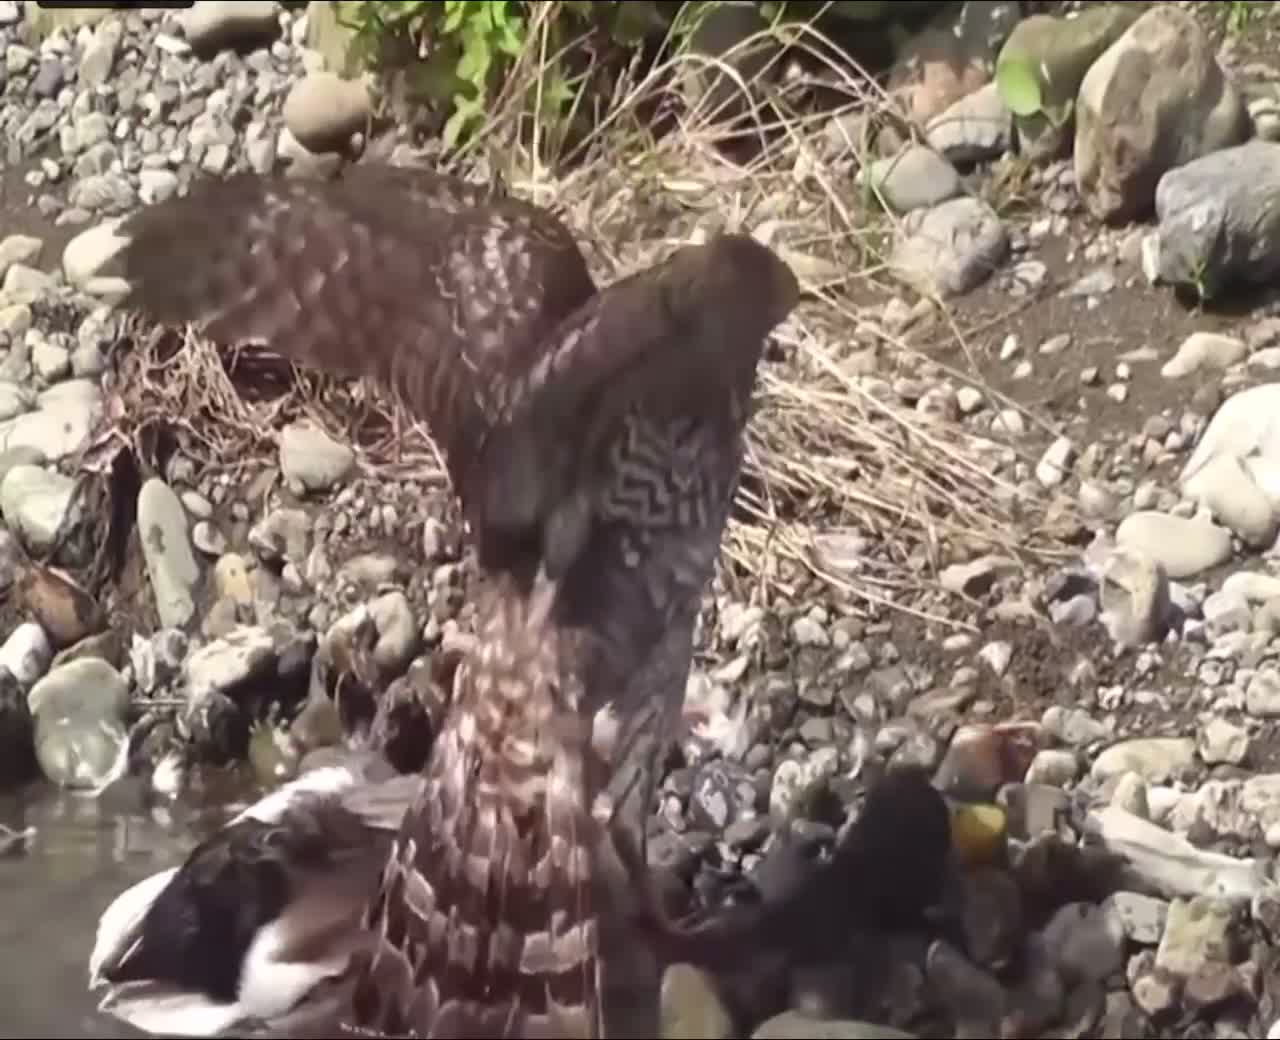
(485,914)
(597,436)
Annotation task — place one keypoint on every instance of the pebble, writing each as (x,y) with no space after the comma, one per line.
(166,546)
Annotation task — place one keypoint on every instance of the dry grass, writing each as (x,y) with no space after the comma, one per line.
(867,495)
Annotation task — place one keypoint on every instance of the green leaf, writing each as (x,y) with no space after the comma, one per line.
(1019,86)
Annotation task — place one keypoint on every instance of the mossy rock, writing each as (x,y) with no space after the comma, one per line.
(327,35)
(1041,67)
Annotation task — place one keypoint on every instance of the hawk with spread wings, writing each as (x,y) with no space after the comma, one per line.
(594,439)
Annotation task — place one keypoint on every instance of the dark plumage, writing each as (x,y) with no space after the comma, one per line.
(595,442)
(887,870)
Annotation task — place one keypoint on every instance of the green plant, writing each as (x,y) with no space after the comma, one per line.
(1239,13)
(460,52)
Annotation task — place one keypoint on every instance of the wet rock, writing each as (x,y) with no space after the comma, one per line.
(18,762)
(78,710)
(26,654)
(246,653)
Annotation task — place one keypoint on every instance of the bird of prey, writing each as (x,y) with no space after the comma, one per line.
(594,439)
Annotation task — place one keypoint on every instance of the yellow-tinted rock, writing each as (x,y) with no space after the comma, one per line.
(978,833)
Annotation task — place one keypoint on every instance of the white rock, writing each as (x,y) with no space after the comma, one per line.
(1227,489)
(26,654)
(35,502)
(1183,546)
(18,249)
(1205,350)
(1168,863)
(88,253)
(1246,427)
(166,547)
(1056,463)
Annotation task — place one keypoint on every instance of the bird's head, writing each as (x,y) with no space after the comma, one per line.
(735,276)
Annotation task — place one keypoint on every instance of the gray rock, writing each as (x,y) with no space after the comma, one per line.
(1218,220)
(157,185)
(87,686)
(18,249)
(1205,351)
(1141,917)
(1198,932)
(1226,487)
(1134,596)
(915,178)
(81,753)
(78,710)
(26,654)
(1155,759)
(99,56)
(1058,52)
(1222,742)
(210,25)
(36,503)
(85,259)
(323,111)
(50,361)
(166,547)
(398,632)
(15,399)
(312,458)
(1183,546)
(1154,100)
(243,654)
(1262,695)
(975,128)
(1086,941)
(950,249)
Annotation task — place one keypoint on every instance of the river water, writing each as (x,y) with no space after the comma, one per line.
(83,853)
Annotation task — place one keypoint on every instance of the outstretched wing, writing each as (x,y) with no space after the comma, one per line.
(478,310)
(422,282)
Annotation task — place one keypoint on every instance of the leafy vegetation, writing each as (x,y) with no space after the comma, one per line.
(460,52)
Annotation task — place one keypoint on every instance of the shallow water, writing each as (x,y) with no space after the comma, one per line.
(82,855)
